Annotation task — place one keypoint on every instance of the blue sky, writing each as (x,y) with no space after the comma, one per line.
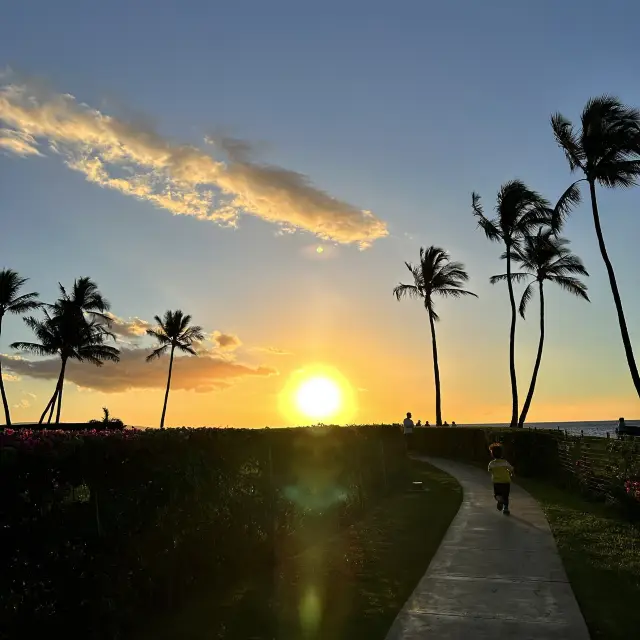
(401,109)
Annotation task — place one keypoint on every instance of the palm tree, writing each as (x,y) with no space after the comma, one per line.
(544,257)
(71,337)
(606,149)
(11,302)
(434,276)
(520,211)
(173,332)
(107,421)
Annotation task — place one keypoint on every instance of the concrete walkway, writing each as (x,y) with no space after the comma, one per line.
(494,576)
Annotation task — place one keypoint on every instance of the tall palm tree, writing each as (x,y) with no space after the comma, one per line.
(12,302)
(173,332)
(434,276)
(544,257)
(84,299)
(606,149)
(519,212)
(71,338)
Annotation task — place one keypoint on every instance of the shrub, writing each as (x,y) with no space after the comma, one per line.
(98,528)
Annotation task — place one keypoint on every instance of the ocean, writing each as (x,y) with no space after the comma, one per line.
(593,428)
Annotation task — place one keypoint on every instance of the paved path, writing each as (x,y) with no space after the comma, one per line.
(494,576)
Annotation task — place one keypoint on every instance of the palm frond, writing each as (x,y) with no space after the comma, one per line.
(407,290)
(186,348)
(568,141)
(526,297)
(491,230)
(156,353)
(455,293)
(32,347)
(572,285)
(568,200)
(515,277)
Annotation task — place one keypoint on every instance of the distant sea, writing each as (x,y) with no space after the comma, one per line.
(592,429)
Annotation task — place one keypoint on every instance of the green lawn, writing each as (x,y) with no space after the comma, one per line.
(351,586)
(601,554)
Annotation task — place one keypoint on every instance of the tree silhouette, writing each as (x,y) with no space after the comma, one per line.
(173,332)
(12,302)
(519,212)
(71,337)
(107,421)
(544,257)
(434,276)
(606,149)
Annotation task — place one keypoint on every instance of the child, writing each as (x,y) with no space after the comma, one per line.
(501,473)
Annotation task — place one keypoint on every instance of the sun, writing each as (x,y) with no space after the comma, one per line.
(319,397)
(317,393)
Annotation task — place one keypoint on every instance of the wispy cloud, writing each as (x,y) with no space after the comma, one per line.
(274,351)
(202,373)
(183,179)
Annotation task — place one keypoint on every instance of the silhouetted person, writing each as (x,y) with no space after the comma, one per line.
(446,424)
(426,423)
(408,431)
(453,424)
(418,424)
(501,472)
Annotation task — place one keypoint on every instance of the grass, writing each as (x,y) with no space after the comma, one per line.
(351,585)
(601,554)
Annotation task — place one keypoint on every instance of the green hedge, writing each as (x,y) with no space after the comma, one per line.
(99,529)
(534,453)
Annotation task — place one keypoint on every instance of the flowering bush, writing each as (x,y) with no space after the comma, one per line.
(111,525)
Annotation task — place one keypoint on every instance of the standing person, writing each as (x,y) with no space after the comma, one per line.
(501,473)
(408,431)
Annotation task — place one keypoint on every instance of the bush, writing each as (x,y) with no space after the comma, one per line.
(98,528)
(534,453)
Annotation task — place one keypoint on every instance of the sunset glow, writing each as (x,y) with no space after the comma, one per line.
(319,397)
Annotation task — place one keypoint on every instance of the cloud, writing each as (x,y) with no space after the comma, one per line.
(131,328)
(201,373)
(273,351)
(19,143)
(225,341)
(134,159)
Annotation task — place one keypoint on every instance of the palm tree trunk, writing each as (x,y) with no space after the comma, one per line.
(536,366)
(7,415)
(436,369)
(51,402)
(635,376)
(166,393)
(512,343)
(64,366)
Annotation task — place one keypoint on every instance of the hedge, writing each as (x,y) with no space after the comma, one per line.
(101,528)
(599,468)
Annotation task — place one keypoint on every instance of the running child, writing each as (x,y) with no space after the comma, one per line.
(501,473)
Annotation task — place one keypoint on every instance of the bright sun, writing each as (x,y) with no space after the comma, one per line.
(318,397)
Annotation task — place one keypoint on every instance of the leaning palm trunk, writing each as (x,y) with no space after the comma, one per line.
(7,415)
(512,344)
(536,366)
(628,350)
(436,369)
(64,366)
(52,401)
(166,393)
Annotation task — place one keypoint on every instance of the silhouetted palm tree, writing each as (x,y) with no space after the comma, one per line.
(544,257)
(107,421)
(71,338)
(606,149)
(173,332)
(519,212)
(12,302)
(434,276)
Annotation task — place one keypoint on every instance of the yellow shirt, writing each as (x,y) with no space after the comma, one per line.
(500,470)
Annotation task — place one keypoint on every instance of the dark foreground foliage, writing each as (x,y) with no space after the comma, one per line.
(100,529)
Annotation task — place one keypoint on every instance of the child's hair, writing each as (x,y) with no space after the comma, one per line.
(496,450)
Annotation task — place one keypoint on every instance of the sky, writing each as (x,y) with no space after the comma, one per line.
(195,155)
